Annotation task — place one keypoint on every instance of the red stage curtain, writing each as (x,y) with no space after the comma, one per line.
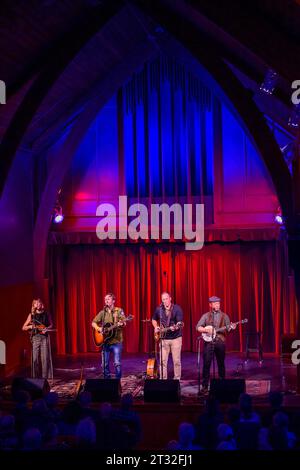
(251,278)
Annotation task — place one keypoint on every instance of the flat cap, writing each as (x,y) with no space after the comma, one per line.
(214,298)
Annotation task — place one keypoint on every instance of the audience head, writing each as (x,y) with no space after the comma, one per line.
(71,413)
(275,399)
(245,402)
(52,399)
(281,420)
(39,406)
(225,432)
(127,401)
(32,439)
(233,415)
(51,432)
(226,437)
(278,438)
(7,423)
(172,445)
(186,434)
(86,432)
(85,398)
(105,410)
(212,405)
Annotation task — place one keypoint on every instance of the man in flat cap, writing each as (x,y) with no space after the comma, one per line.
(215,341)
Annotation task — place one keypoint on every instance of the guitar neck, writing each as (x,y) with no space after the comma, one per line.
(223,328)
(112,327)
(167,328)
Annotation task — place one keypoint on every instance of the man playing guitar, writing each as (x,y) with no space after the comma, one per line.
(208,323)
(168,317)
(111,315)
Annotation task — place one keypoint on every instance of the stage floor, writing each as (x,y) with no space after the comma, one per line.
(272,374)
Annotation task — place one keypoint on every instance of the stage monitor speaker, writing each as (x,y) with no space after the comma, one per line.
(165,391)
(227,390)
(104,389)
(37,388)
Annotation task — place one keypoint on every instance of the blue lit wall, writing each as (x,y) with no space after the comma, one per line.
(165,134)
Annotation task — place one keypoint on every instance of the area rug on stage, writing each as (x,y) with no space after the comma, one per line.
(69,389)
(189,388)
(258,387)
(65,389)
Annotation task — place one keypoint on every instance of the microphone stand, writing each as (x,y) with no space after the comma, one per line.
(103,347)
(198,363)
(213,345)
(147,321)
(160,346)
(34,321)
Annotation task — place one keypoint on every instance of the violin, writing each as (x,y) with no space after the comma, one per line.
(41,329)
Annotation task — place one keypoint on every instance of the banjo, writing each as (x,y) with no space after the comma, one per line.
(212,333)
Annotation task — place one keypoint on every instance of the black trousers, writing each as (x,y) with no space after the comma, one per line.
(217,348)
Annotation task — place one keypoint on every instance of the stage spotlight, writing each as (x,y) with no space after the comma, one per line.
(58,216)
(278,216)
(269,83)
(294,119)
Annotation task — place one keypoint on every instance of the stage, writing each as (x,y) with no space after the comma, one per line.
(261,378)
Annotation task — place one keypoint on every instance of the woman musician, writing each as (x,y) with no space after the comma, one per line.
(38,322)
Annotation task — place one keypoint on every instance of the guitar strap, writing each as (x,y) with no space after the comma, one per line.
(222,321)
(222,334)
(115,314)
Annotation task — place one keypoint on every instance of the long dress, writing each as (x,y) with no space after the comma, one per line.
(41,363)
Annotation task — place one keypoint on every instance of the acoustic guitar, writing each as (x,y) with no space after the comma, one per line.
(163,330)
(108,331)
(152,368)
